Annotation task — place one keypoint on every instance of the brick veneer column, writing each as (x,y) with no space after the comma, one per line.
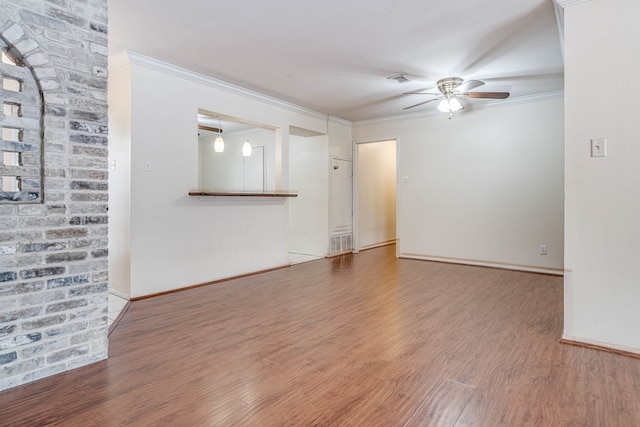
(53,251)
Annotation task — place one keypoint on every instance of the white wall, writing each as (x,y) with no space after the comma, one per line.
(340,137)
(309,212)
(120,180)
(483,188)
(177,240)
(602,241)
(376,193)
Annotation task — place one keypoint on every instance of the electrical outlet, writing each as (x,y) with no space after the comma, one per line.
(543,249)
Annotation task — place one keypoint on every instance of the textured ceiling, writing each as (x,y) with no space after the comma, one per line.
(334,57)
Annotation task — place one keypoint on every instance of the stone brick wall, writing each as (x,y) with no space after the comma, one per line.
(53,248)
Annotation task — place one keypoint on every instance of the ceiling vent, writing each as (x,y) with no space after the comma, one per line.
(400,77)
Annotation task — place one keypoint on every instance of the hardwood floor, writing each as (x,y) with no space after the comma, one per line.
(358,340)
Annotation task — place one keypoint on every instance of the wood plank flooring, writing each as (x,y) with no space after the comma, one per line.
(358,340)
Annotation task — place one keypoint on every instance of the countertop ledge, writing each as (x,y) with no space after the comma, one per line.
(209,193)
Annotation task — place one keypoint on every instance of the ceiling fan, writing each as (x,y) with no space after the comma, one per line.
(452,88)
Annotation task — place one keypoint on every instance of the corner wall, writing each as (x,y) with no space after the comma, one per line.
(602,243)
(177,240)
(309,212)
(485,187)
(53,254)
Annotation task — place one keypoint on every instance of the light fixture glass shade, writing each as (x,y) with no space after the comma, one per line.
(455,105)
(444,106)
(450,105)
(246,148)
(218,145)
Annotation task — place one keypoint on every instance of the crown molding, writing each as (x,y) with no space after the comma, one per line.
(340,120)
(559,12)
(126,57)
(525,99)
(567,3)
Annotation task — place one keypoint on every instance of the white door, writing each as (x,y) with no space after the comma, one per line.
(341,195)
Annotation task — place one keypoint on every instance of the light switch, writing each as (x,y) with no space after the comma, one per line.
(599,147)
(147,165)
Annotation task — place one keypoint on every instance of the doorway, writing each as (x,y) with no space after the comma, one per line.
(376,192)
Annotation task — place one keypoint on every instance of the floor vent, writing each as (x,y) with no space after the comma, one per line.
(341,243)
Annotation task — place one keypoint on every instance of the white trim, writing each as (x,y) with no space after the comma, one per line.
(559,12)
(497,103)
(339,120)
(129,57)
(504,266)
(377,139)
(356,193)
(119,294)
(378,245)
(601,344)
(154,64)
(567,3)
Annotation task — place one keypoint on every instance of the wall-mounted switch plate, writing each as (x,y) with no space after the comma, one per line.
(147,165)
(599,147)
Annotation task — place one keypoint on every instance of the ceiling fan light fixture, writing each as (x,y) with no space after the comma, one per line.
(453,88)
(450,105)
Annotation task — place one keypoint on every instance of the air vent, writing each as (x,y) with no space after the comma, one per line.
(400,77)
(341,243)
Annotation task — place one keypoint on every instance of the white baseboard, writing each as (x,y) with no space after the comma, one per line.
(377,245)
(119,294)
(479,263)
(605,346)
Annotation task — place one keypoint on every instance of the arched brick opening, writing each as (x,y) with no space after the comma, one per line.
(21,121)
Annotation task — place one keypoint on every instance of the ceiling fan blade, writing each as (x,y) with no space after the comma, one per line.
(421,93)
(421,103)
(492,95)
(468,85)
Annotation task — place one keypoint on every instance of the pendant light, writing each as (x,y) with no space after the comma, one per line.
(246,148)
(218,144)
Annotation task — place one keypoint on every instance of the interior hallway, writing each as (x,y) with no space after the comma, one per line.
(362,339)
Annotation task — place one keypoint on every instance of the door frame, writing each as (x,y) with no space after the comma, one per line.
(356,208)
